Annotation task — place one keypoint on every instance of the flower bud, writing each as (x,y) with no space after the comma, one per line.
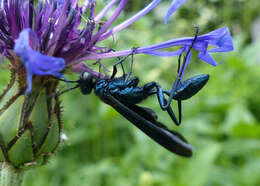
(30,124)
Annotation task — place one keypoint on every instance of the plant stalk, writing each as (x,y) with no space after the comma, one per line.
(10,176)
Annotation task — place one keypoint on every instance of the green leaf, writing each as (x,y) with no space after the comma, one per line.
(21,152)
(39,118)
(52,139)
(9,121)
(246,130)
(1,156)
(200,165)
(238,114)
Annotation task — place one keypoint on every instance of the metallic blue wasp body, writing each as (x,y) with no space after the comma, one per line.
(123,94)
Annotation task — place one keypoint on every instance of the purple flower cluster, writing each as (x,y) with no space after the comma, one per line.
(47,38)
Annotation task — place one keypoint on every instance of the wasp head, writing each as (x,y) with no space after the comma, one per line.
(86,83)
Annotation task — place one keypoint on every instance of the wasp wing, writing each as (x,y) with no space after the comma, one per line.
(146,122)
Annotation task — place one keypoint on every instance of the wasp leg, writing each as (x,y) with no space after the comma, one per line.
(66,90)
(133,82)
(132,63)
(161,99)
(177,82)
(114,72)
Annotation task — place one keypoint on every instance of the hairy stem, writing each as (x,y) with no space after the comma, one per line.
(9,176)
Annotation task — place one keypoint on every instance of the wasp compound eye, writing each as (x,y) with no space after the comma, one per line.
(85,76)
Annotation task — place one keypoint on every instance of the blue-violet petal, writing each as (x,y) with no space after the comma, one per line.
(34,62)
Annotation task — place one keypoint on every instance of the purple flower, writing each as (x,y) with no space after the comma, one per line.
(220,39)
(56,37)
(34,62)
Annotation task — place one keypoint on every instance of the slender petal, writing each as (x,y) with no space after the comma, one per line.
(174,6)
(131,20)
(104,28)
(105,10)
(220,39)
(34,62)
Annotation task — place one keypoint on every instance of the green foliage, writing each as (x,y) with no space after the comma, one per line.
(222,121)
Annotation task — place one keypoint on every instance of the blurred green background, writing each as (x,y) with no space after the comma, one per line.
(222,122)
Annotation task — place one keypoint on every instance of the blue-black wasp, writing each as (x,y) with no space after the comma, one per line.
(123,94)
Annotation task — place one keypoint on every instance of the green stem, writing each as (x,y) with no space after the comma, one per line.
(9,176)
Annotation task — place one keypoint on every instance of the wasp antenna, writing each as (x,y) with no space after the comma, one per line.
(65,80)
(66,90)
